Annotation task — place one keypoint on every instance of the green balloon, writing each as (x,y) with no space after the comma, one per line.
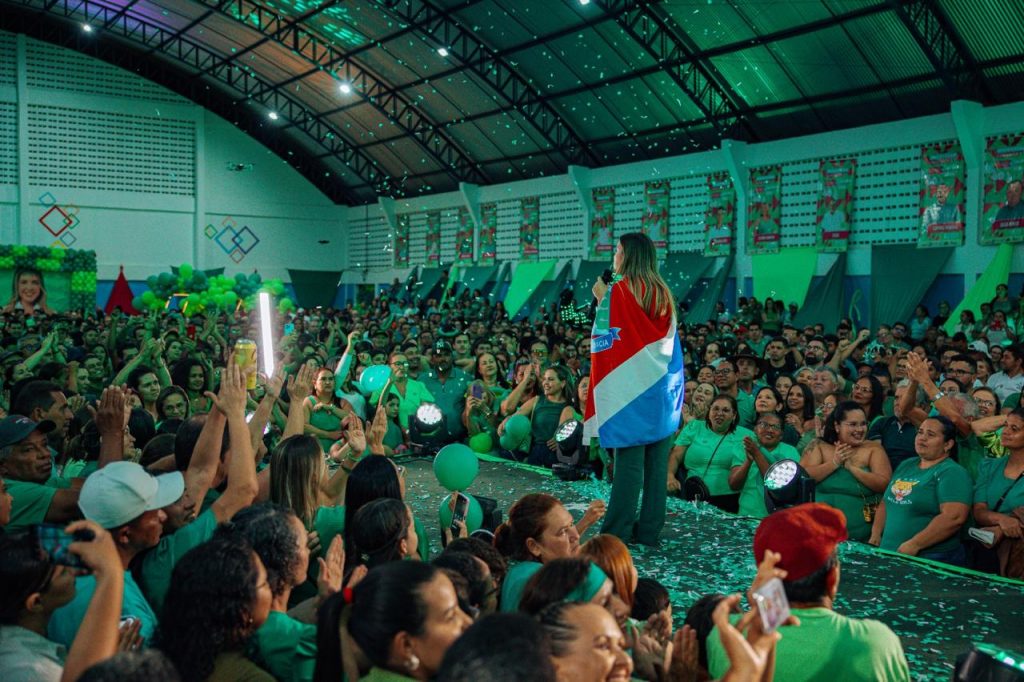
(518,426)
(456,466)
(148,297)
(185,271)
(482,443)
(474,514)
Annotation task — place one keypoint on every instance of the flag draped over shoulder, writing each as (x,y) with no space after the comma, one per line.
(636,373)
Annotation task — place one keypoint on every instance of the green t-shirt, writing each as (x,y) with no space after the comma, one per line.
(415,395)
(748,415)
(752,492)
(157,564)
(992,483)
(31,501)
(710,456)
(65,621)
(913,498)
(828,646)
(80,468)
(286,648)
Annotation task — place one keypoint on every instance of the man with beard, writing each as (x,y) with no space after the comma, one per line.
(448,385)
(815,352)
(727,382)
(779,360)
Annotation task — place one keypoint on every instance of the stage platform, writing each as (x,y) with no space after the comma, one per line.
(936,613)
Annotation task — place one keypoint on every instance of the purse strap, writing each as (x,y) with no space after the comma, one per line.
(1006,492)
(713,453)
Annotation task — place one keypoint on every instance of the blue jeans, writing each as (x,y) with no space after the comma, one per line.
(954,557)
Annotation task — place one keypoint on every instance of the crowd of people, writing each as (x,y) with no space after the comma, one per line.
(162,520)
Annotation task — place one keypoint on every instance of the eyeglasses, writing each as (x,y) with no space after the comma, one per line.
(961,371)
(854,425)
(403,363)
(769,427)
(539,351)
(986,403)
(723,372)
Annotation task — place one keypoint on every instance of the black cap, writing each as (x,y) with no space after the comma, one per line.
(441,346)
(16,428)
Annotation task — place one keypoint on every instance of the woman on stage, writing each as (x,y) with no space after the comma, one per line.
(636,387)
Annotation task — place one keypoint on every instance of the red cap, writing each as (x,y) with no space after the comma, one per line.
(805,536)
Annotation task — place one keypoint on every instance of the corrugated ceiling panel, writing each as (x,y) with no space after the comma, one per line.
(990,29)
(754,75)
(770,17)
(889,47)
(501,30)
(709,24)
(458,95)
(587,114)
(823,62)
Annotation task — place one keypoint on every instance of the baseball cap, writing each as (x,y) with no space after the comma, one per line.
(441,346)
(805,535)
(123,491)
(16,428)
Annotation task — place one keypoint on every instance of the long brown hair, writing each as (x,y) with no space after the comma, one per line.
(640,270)
(612,556)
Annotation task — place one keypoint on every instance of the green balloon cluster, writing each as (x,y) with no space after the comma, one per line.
(204,292)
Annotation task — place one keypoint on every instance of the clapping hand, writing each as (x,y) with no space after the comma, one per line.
(301,384)
(231,399)
(332,569)
(110,413)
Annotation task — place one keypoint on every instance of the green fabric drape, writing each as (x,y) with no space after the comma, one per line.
(548,292)
(476,277)
(900,276)
(314,287)
(784,275)
(703,307)
(429,277)
(825,303)
(682,270)
(984,289)
(525,281)
(587,274)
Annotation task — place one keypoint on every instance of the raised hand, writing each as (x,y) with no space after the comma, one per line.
(232,396)
(301,384)
(110,413)
(332,569)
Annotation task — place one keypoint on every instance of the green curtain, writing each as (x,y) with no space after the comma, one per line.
(682,270)
(314,287)
(429,277)
(548,292)
(525,281)
(900,276)
(784,275)
(983,291)
(825,303)
(477,276)
(703,307)
(587,274)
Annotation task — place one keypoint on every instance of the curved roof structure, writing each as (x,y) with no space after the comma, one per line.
(410,97)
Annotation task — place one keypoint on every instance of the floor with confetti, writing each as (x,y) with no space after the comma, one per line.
(937,614)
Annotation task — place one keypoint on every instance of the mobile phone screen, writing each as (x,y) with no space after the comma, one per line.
(54,542)
(461,505)
(772,604)
(477,391)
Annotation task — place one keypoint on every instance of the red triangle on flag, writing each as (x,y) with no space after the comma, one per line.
(121,296)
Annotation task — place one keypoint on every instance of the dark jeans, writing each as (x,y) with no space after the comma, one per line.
(640,466)
(954,557)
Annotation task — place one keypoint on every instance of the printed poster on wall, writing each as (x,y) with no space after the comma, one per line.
(464,237)
(655,219)
(942,196)
(529,228)
(1002,209)
(835,204)
(433,238)
(402,241)
(764,210)
(488,233)
(602,225)
(720,216)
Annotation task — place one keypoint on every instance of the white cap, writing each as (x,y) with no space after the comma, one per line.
(123,491)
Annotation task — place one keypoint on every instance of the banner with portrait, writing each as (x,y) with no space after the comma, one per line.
(529,228)
(488,234)
(720,216)
(1002,213)
(433,240)
(464,237)
(654,222)
(764,210)
(602,224)
(402,241)
(943,196)
(835,204)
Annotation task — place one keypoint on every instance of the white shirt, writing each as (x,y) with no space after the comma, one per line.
(1004,385)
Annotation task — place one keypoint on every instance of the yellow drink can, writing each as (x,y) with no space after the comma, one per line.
(245,358)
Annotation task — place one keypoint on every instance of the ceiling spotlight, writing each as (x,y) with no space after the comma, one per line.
(87,28)
(584,2)
(443,51)
(273,116)
(345,88)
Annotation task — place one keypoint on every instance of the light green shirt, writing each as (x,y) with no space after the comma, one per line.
(287,647)
(31,501)
(710,455)
(415,395)
(828,646)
